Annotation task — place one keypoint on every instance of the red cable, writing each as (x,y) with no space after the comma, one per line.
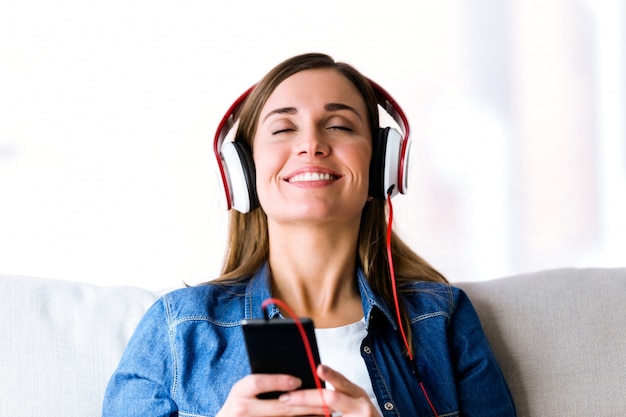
(432,407)
(307,346)
(393,279)
(395,298)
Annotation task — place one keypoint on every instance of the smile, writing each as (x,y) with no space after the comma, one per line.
(312,176)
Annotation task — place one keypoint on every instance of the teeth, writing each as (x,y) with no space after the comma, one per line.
(311,176)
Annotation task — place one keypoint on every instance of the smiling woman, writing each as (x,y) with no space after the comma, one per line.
(314,123)
(316,237)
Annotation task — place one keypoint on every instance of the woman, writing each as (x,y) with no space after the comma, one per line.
(317,241)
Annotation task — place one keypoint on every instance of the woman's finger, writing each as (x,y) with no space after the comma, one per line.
(243,398)
(340,382)
(255,384)
(347,398)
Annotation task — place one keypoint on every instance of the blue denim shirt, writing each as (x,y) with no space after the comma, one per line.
(188,351)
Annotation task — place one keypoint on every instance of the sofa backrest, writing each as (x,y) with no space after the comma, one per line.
(560,338)
(61,341)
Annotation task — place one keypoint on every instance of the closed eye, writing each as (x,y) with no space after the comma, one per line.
(339,127)
(279,131)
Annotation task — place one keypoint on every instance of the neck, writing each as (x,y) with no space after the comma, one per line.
(313,271)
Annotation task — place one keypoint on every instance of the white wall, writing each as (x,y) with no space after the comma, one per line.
(107,112)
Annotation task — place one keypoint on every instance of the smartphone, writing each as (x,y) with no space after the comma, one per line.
(275,346)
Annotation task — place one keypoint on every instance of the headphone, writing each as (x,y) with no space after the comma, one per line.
(389,167)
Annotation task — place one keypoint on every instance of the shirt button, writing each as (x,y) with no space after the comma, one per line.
(388,406)
(367,350)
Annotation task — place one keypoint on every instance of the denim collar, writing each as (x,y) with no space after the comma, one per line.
(259,289)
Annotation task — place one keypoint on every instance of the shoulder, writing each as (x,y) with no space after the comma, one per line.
(426,299)
(220,304)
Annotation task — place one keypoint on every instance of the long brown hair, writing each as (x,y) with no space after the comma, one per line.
(248,241)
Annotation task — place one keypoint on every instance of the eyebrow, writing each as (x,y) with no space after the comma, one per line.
(282,110)
(341,106)
(327,107)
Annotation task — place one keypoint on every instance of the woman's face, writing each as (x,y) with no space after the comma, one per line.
(312,150)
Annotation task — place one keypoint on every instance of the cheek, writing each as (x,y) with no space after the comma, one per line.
(365,159)
(267,164)
(261,181)
(359,158)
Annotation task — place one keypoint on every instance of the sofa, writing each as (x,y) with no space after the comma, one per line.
(560,337)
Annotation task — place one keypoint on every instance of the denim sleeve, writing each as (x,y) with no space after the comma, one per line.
(482,390)
(143,383)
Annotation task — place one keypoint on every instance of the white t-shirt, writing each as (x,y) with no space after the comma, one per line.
(340,348)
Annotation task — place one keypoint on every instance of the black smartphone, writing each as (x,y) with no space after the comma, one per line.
(275,346)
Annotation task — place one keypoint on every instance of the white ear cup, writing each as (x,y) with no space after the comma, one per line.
(392,159)
(237,188)
(406,165)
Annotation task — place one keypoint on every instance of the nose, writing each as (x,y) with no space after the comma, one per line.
(312,143)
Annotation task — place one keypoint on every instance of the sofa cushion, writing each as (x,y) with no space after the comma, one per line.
(61,341)
(560,337)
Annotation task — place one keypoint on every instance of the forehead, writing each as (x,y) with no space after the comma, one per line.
(315,87)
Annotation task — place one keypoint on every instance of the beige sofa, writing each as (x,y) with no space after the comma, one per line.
(559,335)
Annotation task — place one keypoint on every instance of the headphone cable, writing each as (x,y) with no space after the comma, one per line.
(397,304)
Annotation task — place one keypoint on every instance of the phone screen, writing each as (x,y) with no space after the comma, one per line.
(276,347)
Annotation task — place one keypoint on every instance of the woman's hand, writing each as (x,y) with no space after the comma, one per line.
(347,398)
(243,402)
